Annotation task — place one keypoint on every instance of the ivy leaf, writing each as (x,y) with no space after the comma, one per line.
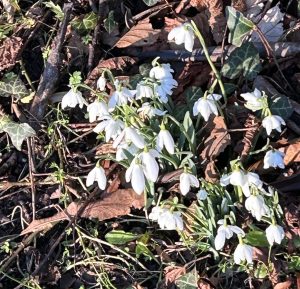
(12,85)
(120,237)
(257,239)
(59,14)
(244,61)
(85,24)
(150,2)
(280,105)
(18,132)
(188,281)
(238,25)
(110,23)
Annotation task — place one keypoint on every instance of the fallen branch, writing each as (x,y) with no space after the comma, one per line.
(281,50)
(51,72)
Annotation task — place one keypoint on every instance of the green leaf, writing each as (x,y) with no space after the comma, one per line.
(192,94)
(59,14)
(150,2)
(142,249)
(110,23)
(12,85)
(85,24)
(261,271)
(188,281)
(280,105)
(257,239)
(239,26)
(244,61)
(75,79)
(18,132)
(189,128)
(119,237)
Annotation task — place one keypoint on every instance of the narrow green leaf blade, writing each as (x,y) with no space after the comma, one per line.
(120,237)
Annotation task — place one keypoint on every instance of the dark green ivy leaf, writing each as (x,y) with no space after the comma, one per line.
(280,105)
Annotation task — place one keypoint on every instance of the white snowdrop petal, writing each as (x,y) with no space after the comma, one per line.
(220,240)
(91,177)
(184,183)
(138,179)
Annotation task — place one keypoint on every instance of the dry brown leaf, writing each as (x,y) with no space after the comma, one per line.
(217,140)
(112,205)
(142,34)
(9,52)
(211,173)
(115,63)
(172,273)
(292,152)
(283,285)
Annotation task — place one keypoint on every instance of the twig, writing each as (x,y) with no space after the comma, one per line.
(31,171)
(50,75)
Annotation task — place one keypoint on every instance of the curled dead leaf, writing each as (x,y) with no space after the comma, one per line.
(142,34)
(172,273)
(292,152)
(112,205)
(9,52)
(283,285)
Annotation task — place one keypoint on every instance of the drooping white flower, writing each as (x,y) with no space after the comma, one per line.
(97,174)
(206,106)
(274,233)
(147,111)
(113,128)
(273,122)
(130,147)
(183,34)
(170,220)
(243,252)
(242,179)
(187,181)
(164,88)
(226,232)
(254,100)
(135,175)
(257,206)
(144,91)
(274,158)
(165,139)
(101,83)
(97,109)
(156,212)
(121,96)
(130,134)
(150,165)
(202,195)
(161,71)
(72,98)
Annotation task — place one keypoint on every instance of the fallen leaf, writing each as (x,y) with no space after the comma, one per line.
(9,52)
(283,285)
(142,34)
(112,205)
(113,64)
(292,152)
(172,273)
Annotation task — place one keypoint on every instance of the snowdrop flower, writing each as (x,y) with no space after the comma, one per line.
(206,106)
(274,158)
(170,220)
(97,109)
(130,134)
(147,111)
(164,88)
(121,96)
(257,207)
(243,252)
(161,71)
(135,175)
(131,148)
(202,195)
(254,100)
(226,232)
(273,122)
(150,165)
(187,181)
(97,174)
(165,139)
(242,179)
(101,83)
(274,233)
(144,90)
(183,34)
(112,128)
(72,98)
(155,213)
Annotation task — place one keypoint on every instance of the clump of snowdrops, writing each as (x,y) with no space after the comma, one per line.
(150,140)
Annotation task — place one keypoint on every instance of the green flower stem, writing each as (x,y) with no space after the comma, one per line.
(205,50)
(193,149)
